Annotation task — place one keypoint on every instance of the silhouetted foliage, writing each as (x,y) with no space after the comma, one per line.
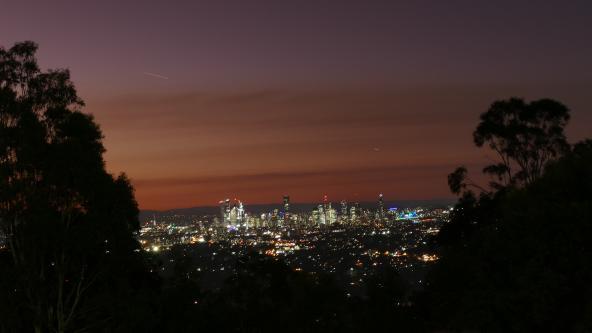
(516,258)
(69,224)
(525,136)
(456,180)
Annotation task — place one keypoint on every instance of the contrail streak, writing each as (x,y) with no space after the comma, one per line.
(156,75)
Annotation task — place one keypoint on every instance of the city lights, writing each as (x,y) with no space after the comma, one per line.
(355,239)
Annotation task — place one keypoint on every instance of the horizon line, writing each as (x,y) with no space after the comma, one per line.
(279,203)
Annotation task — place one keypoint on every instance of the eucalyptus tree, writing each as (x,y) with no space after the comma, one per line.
(67,222)
(523,136)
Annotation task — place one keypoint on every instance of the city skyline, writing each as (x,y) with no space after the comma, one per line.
(200,100)
(295,166)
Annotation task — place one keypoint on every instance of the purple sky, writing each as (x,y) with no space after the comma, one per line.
(254,99)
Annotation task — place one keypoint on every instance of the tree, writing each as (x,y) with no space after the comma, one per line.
(513,258)
(528,269)
(525,136)
(68,223)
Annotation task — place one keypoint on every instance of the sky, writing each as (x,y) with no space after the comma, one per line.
(204,100)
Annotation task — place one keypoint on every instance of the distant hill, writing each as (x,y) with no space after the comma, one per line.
(295,207)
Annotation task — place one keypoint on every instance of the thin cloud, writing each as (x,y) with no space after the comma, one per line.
(156,75)
(343,174)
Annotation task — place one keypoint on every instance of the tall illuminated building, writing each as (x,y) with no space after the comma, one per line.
(380,212)
(286,208)
(232,214)
(225,211)
(352,214)
(322,215)
(326,209)
(233,217)
(286,203)
(343,211)
(240,214)
(331,215)
(274,219)
(316,217)
(221,203)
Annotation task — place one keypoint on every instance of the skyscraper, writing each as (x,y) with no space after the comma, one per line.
(331,214)
(274,220)
(353,215)
(233,217)
(322,215)
(240,214)
(344,211)
(380,212)
(316,218)
(286,208)
(225,211)
(286,203)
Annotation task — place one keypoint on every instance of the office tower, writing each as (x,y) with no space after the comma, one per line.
(240,214)
(274,220)
(316,217)
(322,214)
(353,214)
(331,214)
(225,211)
(233,216)
(380,212)
(286,204)
(286,208)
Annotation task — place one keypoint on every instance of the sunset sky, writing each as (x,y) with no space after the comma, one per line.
(203,100)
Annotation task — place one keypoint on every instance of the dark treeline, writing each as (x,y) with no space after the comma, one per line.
(515,256)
